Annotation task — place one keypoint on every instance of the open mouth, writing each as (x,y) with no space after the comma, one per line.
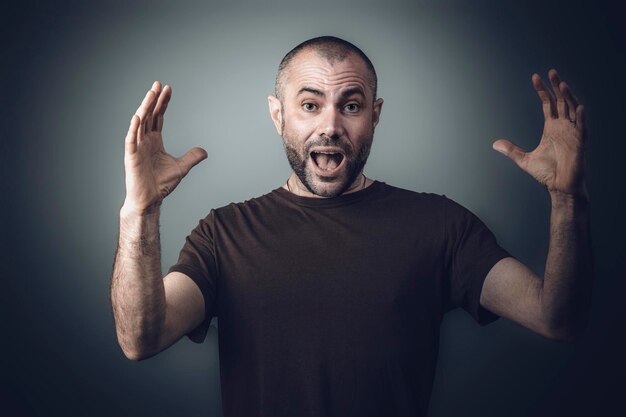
(327,161)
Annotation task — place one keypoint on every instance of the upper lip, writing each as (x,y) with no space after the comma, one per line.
(327,149)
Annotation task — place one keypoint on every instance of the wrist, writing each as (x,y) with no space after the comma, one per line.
(573,201)
(130,210)
(139,222)
(139,229)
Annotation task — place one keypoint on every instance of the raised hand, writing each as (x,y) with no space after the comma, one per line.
(151,173)
(558,162)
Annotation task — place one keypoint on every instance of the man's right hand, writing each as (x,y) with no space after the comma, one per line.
(151,312)
(152,173)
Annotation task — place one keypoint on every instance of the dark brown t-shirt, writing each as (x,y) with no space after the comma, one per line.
(332,307)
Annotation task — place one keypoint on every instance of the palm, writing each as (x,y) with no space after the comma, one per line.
(151,173)
(558,161)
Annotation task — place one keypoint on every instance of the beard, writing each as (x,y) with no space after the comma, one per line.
(320,186)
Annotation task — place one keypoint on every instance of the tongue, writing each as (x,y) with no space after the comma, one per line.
(325,161)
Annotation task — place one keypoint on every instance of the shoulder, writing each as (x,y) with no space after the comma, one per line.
(414,198)
(430,206)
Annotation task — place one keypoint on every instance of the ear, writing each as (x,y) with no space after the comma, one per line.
(276,113)
(378,107)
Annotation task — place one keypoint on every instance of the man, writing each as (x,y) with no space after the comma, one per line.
(330,290)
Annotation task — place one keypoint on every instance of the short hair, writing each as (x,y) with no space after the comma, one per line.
(330,48)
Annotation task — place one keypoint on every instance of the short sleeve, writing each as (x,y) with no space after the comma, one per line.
(197,261)
(472,251)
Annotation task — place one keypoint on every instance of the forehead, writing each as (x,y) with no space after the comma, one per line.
(310,69)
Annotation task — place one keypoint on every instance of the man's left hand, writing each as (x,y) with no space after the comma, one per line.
(558,162)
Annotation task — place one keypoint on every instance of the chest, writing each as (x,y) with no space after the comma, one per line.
(329,268)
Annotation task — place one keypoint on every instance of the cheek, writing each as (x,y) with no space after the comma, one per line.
(360,131)
(297,131)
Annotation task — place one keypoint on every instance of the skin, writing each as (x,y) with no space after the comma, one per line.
(326,106)
(151,313)
(557,304)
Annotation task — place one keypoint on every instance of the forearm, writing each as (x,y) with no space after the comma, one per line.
(137,291)
(568,278)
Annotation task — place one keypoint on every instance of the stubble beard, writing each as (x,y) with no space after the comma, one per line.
(355,162)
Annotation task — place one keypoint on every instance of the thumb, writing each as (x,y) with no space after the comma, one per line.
(191,159)
(508,149)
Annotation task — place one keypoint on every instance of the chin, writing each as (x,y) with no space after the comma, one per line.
(327,187)
(327,190)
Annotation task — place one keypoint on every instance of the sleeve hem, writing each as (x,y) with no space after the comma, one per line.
(481,314)
(198,334)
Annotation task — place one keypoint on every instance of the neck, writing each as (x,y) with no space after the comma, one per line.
(295,186)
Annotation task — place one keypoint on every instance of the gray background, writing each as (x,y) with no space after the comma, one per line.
(455,77)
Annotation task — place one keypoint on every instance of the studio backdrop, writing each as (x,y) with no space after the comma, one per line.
(455,76)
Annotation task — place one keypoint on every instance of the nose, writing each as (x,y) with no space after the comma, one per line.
(331,123)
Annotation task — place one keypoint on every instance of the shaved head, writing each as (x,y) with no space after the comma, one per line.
(331,49)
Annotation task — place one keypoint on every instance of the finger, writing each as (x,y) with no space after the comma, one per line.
(143,110)
(191,159)
(561,105)
(547,100)
(156,87)
(142,106)
(149,108)
(508,149)
(572,103)
(571,95)
(161,106)
(576,100)
(131,137)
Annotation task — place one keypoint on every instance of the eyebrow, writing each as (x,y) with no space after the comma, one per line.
(351,91)
(344,94)
(310,90)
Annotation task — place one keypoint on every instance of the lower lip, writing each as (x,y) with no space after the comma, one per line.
(327,173)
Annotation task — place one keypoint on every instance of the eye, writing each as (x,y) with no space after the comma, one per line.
(352,107)
(309,107)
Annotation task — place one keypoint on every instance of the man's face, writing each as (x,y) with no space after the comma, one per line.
(326,117)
